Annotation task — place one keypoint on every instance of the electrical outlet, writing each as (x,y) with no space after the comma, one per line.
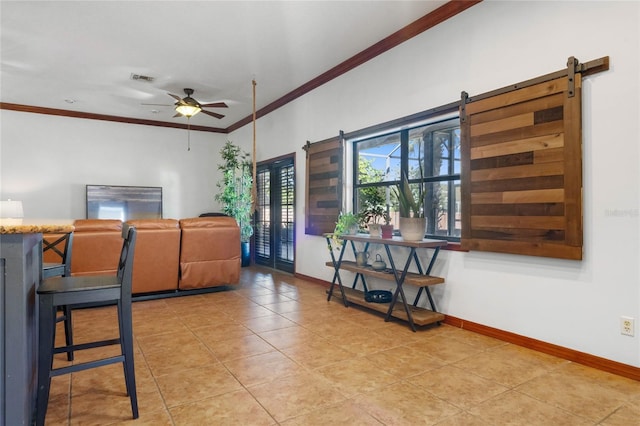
(627,326)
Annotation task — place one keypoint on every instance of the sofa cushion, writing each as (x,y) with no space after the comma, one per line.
(155,264)
(96,246)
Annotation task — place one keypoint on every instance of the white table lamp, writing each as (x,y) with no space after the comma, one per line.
(11,211)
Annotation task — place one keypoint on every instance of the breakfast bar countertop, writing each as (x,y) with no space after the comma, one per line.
(35,226)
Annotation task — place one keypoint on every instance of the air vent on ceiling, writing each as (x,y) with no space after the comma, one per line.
(141,77)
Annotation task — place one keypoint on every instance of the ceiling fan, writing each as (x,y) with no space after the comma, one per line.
(188,106)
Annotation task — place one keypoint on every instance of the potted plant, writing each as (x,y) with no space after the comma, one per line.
(235,192)
(347,224)
(386,229)
(371,216)
(412,221)
(373,201)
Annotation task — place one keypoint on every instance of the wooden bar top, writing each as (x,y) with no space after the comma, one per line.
(395,241)
(35,226)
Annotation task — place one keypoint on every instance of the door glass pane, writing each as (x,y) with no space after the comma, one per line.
(285,249)
(263,234)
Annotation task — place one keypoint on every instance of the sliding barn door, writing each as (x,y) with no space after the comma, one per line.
(522,170)
(323,185)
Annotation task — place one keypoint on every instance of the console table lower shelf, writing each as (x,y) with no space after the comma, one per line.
(421,316)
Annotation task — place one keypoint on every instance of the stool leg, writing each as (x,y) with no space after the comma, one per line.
(68,330)
(126,341)
(46,335)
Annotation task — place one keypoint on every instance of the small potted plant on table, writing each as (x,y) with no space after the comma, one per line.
(347,224)
(386,229)
(371,215)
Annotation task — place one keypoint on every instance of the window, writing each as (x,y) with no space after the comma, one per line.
(429,154)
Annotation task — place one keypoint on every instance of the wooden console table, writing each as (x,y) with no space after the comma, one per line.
(422,279)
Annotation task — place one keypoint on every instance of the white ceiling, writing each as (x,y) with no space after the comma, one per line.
(86,51)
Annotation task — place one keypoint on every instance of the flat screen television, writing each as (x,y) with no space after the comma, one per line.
(124,202)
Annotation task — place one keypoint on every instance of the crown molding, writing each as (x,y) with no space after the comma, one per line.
(103,117)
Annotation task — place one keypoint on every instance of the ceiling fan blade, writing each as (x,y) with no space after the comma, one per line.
(176,97)
(215,105)
(213,114)
(177,115)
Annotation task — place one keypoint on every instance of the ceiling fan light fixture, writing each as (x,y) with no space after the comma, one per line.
(188,110)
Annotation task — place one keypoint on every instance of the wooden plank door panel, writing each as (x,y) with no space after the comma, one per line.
(323,186)
(522,168)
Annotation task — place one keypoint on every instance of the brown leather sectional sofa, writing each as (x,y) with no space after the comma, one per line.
(171,255)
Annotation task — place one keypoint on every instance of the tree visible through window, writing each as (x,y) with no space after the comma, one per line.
(429,154)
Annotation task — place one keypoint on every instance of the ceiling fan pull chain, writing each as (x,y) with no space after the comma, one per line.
(188,135)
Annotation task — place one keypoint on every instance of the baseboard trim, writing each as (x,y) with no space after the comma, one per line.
(312,279)
(583,358)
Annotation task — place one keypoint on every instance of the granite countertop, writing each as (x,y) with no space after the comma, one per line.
(35,226)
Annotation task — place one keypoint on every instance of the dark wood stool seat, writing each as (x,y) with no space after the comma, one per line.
(87,290)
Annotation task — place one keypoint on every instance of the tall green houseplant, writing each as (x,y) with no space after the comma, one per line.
(235,187)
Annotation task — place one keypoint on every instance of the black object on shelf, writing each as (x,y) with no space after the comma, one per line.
(378,296)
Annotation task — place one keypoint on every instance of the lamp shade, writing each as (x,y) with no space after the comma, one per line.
(11,209)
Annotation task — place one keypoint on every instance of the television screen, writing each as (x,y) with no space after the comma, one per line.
(124,202)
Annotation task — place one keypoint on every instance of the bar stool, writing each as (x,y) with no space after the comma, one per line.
(60,246)
(87,290)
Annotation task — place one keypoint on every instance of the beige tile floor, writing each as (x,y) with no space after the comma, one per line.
(272,351)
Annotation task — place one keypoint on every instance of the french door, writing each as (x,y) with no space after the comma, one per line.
(275,222)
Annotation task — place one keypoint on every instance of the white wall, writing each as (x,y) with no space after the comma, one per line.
(46,161)
(494,44)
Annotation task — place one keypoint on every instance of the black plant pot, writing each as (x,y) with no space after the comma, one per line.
(245,253)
